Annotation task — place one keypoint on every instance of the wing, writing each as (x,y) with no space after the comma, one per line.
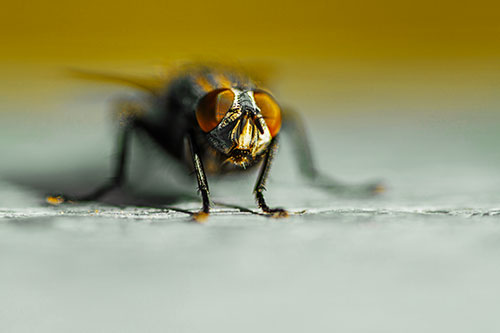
(152,85)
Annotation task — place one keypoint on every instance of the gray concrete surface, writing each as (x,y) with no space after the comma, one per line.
(422,257)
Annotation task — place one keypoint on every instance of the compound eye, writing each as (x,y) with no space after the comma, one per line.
(270,111)
(213,107)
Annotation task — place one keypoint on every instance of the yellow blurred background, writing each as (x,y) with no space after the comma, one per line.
(350,50)
(325,29)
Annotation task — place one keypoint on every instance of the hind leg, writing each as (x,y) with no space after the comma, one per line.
(129,121)
(294,126)
(117,179)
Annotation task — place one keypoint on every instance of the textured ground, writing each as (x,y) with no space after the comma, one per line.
(422,257)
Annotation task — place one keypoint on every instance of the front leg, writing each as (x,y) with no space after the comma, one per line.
(260,186)
(202,180)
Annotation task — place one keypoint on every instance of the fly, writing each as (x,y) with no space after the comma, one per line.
(226,121)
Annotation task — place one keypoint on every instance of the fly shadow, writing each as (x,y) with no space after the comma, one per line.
(81,182)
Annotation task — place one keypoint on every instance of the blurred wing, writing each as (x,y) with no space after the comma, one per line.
(262,72)
(153,85)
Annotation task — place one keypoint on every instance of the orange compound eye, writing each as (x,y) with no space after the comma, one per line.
(270,111)
(213,107)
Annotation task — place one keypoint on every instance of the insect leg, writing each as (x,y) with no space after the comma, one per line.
(129,120)
(118,177)
(116,180)
(201,178)
(293,125)
(260,186)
